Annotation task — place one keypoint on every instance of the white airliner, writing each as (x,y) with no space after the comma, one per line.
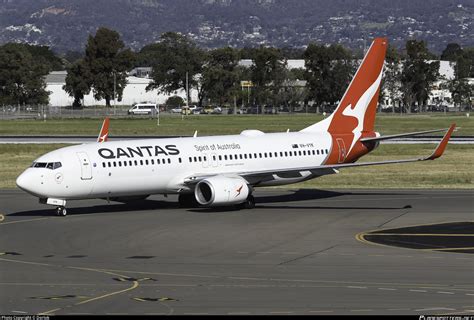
(220,170)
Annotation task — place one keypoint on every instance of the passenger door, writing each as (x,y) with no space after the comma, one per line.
(86,167)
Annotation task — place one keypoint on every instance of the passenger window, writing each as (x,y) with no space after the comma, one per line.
(286,153)
(109,164)
(136,162)
(230,157)
(146,162)
(103,164)
(327,151)
(169,161)
(141,162)
(179,159)
(120,163)
(304,152)
(115,164)
(245,156)
(190,159)
(200,159)
(158,161)
(195,159)
(220,158)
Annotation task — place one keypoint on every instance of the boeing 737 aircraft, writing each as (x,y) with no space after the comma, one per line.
(220,170)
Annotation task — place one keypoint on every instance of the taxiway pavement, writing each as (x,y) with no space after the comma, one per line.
(297,252)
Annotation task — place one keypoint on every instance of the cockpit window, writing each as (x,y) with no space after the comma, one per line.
(47,165)
(39,164)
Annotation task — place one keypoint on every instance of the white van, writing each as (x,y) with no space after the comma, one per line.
(143,108)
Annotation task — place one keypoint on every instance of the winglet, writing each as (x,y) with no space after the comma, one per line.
(104,131)
(442,145)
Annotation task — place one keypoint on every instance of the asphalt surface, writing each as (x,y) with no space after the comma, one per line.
(297,252)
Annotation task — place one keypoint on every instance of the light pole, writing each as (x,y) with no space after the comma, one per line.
(114,95)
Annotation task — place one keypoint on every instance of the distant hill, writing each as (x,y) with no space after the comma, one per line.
(65,24)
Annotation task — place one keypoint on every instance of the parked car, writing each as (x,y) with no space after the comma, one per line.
(207,110)
(143,108)
(176,110)
(197,111)
(217,110)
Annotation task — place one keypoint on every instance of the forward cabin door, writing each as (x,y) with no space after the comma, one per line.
(86,168)
(342,150)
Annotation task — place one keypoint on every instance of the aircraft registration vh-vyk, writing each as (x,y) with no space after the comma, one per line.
(220,170)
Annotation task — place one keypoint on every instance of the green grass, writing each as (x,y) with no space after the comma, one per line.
(223,124)
(454,170)
(14,158)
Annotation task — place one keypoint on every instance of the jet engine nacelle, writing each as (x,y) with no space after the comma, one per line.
(221,191)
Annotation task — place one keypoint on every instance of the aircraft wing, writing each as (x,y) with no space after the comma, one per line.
(265,175)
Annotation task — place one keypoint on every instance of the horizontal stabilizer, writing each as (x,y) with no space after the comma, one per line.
(394,136)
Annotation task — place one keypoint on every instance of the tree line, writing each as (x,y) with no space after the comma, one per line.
(178,62)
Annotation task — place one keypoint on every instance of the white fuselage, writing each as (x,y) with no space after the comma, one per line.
(160,166)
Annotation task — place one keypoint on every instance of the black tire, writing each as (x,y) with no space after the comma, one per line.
(61,211)
(249,203)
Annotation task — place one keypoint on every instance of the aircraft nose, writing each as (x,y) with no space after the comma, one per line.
(24,182)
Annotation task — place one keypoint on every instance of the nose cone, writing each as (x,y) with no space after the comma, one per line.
(24,182)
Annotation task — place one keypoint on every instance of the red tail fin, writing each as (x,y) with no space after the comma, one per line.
(104,131)
(356,110)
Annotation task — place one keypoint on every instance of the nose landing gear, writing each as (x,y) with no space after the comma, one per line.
(61,211)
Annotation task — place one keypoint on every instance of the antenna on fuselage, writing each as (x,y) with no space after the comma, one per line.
(195,134)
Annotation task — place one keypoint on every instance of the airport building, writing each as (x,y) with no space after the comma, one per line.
(139,78)
(134,92)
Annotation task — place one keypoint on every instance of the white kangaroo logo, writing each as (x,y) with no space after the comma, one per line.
(360,108)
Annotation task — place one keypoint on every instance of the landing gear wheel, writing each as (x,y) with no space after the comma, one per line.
(249,203)
(61,211)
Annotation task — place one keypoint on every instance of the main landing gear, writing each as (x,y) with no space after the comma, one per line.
(249,203)
(61,211)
